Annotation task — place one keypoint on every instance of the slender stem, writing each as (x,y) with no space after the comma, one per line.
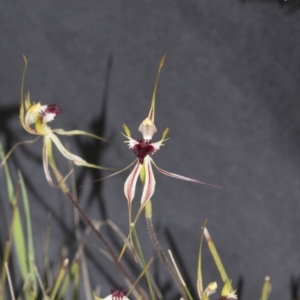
(104,241)
(152,295)
(75,204)
(161,253)
(9,282)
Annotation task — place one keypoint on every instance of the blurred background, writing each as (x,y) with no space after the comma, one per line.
(229,92)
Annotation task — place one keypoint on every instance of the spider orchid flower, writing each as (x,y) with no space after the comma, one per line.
(115,295)
(144,148)
(39,115)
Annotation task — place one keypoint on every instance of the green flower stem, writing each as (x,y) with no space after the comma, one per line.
(68,194)
(152,295)
(18,234)
(59,279)
(30,246)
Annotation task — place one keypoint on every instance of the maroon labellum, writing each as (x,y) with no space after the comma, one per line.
(142,149)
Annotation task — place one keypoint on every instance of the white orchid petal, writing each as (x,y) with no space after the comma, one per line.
(157,145)
(183,177)
(77,160)
(46,146)
(131,142)
(130,183)
(149,185)
(66,153)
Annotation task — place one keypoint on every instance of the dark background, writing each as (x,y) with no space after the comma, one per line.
(229,92)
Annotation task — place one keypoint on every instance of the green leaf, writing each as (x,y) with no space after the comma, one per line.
(30,247)
(18,233)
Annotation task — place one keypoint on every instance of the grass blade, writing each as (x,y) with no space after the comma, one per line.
(30,247)
(18,233)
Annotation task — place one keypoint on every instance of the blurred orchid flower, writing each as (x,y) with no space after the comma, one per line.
(227,292)
(39,115)
(115,295)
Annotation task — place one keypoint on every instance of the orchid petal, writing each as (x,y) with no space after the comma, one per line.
(130,183)
(149,183)
(81,132)
(182,177)
(158,144)
(152,108)
(210,289)
(22,104)
(111,175)
(163,138)
(77,160)
(46,150)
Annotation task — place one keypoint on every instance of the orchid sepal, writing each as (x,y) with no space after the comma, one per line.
(27,102)
(127,131)
(77,160)
(151,114)
(177,176)
(47,151)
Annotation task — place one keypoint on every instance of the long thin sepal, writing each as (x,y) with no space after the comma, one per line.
(152,108)
(183,177)
(77,160)
(22,110)
(81,132)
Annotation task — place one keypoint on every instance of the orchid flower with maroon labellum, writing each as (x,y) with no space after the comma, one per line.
(144,148)
(115,295)
(39,115)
